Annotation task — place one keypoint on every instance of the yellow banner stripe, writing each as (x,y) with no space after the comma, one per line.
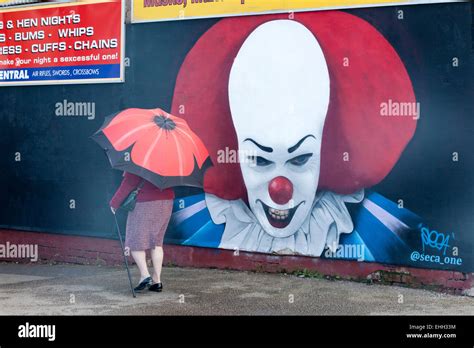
(160,10)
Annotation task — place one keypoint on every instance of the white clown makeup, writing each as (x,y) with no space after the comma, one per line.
(279,96)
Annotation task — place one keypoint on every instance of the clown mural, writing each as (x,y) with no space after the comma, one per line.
(279,98)
(298,100)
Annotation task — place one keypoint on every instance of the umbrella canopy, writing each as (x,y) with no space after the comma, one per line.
(154,145)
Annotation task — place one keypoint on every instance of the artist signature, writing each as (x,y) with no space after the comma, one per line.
(434,239)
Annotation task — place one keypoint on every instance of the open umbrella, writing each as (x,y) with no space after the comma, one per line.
(154,145)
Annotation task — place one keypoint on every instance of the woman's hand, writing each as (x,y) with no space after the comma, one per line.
(113,210)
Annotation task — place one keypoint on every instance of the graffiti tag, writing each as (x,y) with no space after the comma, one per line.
(434,239)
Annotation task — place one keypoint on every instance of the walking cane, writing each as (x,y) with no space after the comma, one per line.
(124,256)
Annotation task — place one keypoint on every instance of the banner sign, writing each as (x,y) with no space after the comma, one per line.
(62,44)
(162,10)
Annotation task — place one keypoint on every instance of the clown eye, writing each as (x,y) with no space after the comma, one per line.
(259,161)
(300,160)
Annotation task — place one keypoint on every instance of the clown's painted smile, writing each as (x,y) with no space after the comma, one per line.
(279,218)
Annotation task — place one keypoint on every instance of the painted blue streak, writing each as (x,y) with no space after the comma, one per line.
(208,235)
(384,245)
(406,216)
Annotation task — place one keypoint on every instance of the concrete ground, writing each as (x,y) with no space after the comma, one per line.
(64,289)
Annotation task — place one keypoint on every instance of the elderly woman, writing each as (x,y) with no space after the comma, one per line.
(146,226)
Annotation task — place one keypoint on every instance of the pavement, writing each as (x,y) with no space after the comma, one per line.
(66,289)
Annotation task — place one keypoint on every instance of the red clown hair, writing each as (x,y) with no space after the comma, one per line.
(359,146)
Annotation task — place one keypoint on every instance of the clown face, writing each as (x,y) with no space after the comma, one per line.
(279,96)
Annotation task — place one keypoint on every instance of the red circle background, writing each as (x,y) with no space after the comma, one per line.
(359,146)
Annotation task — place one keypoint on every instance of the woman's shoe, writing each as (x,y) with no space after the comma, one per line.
(157,287)
(145,283)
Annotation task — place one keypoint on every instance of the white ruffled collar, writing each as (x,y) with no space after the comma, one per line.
(329,218)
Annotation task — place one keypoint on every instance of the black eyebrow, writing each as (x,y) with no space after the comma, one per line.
(295,147)
(264,148)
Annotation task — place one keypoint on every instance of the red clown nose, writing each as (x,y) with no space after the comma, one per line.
(280,190)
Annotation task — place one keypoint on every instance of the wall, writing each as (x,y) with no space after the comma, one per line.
(63,181)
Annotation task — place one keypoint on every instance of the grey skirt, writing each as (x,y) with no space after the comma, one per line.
(147,224)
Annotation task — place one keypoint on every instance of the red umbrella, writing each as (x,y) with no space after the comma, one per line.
(155,145)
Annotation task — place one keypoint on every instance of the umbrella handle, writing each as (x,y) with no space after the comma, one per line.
(124,256)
